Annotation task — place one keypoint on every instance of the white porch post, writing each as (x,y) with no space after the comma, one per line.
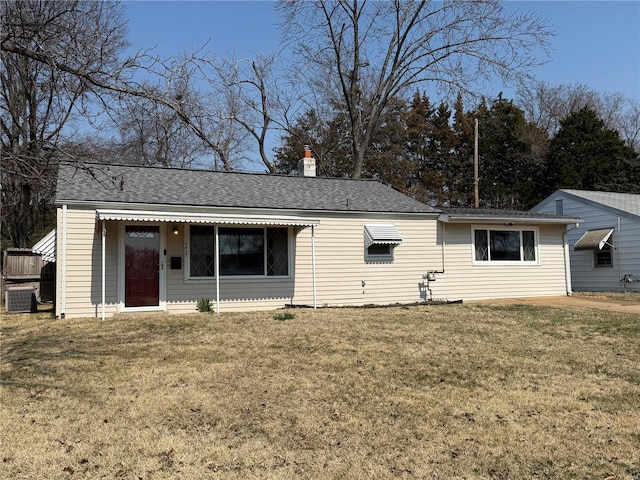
(104,237)
(216,263)
(63,263)
(313,263)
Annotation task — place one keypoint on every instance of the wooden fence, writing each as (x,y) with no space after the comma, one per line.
(21,267)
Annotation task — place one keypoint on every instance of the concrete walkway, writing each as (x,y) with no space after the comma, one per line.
(571,302)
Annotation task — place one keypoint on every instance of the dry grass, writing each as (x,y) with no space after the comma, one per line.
(627,296)
(458,391)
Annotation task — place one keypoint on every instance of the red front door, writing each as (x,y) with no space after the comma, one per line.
(142,266)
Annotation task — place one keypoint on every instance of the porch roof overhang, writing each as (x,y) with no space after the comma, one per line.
(594,239)
(187,217)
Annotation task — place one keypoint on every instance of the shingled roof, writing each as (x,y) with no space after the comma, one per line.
(623,202)
(120,184)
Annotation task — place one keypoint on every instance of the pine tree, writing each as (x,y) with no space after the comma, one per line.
(505,167)
(586,155)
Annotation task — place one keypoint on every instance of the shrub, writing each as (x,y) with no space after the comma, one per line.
(204,305)
(284,316)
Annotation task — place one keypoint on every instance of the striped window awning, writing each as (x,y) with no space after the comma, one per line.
(381,234)
(594,239)
(46,247)
(186,217)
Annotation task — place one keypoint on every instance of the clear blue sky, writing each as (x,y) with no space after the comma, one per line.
(597,43)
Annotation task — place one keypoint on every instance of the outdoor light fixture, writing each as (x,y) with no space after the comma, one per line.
(175,230)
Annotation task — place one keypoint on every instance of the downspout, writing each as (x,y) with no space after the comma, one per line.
(567,260)
(620,255)
(442,253)
(217,270)
(430,276)
(444,242)
(313,265)
(104,269)
(63,264)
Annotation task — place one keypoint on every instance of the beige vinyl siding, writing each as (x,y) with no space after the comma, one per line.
(83,255)
(341,268)
(464,280)
(585,276)
(343,275)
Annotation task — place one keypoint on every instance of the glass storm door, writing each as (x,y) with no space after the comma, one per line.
(142,266)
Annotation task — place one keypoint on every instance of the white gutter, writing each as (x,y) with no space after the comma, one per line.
(216,267)
(63,264)
(104,269)
(313,264)
(452,218)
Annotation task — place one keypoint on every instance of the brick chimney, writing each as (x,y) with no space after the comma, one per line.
(307,165)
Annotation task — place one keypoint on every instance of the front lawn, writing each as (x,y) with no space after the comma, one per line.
(446,391)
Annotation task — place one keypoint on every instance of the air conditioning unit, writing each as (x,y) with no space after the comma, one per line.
(21,300)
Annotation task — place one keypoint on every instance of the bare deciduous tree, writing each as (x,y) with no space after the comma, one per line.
(39,98)
(254,98)
(547,105)
(629,124)
(153,135)
(62,61)
(365,53)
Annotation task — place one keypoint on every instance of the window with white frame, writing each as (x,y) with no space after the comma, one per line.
(512,245)
(243,251)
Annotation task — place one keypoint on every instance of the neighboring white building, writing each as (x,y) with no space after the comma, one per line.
(605,247)
(131,239)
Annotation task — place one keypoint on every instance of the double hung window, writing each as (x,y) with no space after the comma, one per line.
(504,245)
(603,257)
(243,251)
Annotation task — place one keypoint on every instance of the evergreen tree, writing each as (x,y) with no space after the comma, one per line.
(418,126)
(387,160)
(586,155)
(460,169)
(326,138)
(442,154)
(507,173)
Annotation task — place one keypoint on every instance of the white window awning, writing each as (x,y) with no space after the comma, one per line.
(46,247)
(594,239)
(186,217)
(381,234)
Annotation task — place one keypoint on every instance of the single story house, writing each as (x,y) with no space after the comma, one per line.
(605,248)
(131,239)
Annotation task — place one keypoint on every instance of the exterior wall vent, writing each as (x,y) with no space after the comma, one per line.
(20,300)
